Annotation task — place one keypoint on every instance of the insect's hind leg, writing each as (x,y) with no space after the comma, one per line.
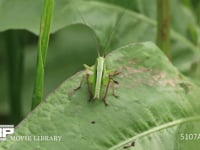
(89,88)
(76,89)
(80,85)
(113,88)
(106,92)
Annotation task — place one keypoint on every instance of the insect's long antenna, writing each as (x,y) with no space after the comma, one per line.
(96,43)
(113,31)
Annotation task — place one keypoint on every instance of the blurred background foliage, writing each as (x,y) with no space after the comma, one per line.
(65,58)
(73,45)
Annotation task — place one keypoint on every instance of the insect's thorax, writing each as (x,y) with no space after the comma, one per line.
(99,76)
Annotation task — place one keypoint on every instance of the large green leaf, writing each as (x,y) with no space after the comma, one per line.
(137,24)
(154,99)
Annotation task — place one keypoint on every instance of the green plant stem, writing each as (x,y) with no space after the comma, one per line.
(42,51)
(15,59)
(163,26)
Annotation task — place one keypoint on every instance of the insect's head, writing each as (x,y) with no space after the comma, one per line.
(100,59)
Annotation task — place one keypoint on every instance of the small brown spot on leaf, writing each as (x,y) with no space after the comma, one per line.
(132,61)
(162,80)
(132,70)
(93,122)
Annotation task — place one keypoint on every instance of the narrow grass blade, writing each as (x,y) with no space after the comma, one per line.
(43,42)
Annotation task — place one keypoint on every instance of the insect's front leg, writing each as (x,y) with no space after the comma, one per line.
(115,74)
(114,82)
(113,87)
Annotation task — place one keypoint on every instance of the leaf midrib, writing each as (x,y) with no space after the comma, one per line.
(155,129)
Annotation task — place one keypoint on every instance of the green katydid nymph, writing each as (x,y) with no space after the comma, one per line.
(99,79)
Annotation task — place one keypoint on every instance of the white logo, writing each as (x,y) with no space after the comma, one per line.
(5,130)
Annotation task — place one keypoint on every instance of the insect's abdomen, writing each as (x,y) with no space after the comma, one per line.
(99,76)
